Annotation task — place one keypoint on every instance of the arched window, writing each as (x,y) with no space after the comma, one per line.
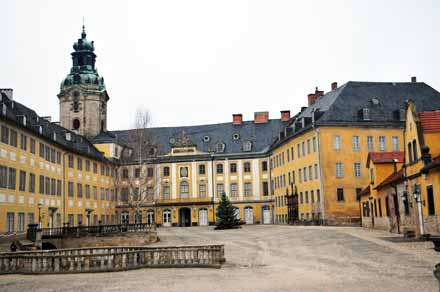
(76,124)
(184,189)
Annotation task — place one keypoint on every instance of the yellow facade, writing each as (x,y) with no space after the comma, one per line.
(24,199)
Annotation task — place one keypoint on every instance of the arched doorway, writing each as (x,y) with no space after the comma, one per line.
(185,217)
(150,217)
(166,218)
(266,214)
(203,217)
(249,215)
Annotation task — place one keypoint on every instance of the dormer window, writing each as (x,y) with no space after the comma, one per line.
(247,146)
(220,147)
(206,139)
(366,114)
(4,109)
(236,136)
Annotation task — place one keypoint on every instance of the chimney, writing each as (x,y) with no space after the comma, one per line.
(285,116)
(334,85)
(413,79)
(261,117)
(8,92)
(237,119)
(313,97)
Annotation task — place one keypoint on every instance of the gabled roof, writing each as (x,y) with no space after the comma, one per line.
(430,121)
(393,178)
(207,137)
(385,157)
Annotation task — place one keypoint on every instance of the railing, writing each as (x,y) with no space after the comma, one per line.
(104,259)
(80,231)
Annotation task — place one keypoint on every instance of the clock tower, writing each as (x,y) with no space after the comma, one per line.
(83,96)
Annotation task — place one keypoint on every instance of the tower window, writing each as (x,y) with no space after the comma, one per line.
(76,124)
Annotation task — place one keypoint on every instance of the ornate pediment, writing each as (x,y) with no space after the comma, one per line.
(182,140)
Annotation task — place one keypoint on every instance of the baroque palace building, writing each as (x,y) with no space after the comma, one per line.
(307,168)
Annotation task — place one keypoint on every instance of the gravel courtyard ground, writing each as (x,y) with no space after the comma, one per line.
(269,258)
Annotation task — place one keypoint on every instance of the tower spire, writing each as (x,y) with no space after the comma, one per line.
(83,34)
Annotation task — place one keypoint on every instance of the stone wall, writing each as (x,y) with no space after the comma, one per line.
(109,259)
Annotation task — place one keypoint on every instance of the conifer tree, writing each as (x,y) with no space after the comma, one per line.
(226,218)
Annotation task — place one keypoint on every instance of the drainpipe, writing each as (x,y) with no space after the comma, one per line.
(212,188)
(64,188)
(321,177)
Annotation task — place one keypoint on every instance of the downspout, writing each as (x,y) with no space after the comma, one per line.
(212,189)
(321,176)
(64,188)
(272,207)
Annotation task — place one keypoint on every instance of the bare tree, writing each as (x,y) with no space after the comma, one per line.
(136,179)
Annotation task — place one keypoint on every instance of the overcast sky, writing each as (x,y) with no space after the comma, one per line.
(197,62)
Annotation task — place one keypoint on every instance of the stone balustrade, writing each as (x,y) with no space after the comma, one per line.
(108,259)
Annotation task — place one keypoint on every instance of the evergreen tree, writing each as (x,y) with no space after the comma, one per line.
(226,218)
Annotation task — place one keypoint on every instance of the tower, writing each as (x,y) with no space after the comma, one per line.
(83,97)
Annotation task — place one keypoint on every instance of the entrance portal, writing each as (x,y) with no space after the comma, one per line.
(184,217)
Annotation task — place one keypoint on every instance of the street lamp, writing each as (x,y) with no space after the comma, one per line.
(39,214)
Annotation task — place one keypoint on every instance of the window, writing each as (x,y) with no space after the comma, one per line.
(293,177)
(308,146)
(300,175)
(265,188)
(380,207)
(166,192)
(247,146)
(220,189)
(431,204)
(184,189)
(79,190)
(234,190)
(305,173)
(382,145)
(13,141)
(95,193)
(288,155)
(202,190)
(80,219)
(303,148)
(292,153)
(124,173)
(356,143)
(20,222)
(166,171)
(58,187)
(150,172)
(53,187)
(414,146)
(316,171)
(306,194)
(69,188)
(318,195)
(340,194)
(247,167)
(395,140)
(32,145)
(41,185)
(301,198)
(357,169)
(310,173)
(337,142)
(339,170)
(87,165)
(95,167)
(264,165)
(314,144)
(298,150)
(219,168)
(30,218)
(22,181)
(247,189)
(233,167)
(12,178)
(370,143)
(31,183)
(87,192)
(410,153)
(102,193)
(70,159)
(137,172)
(202,169)
(366,114)
(5,135)
(79,163)
(23,142)
(358,190)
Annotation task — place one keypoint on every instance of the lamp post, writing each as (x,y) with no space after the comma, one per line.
(39,214)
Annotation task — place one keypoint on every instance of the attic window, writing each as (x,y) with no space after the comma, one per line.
(4,109)
(54,136)
(220,147)
(247,146)
(40,129)
(375,101)
(236,136)
(366,114)
(206,139)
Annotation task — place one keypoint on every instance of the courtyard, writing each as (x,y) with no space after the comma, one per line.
(269,258)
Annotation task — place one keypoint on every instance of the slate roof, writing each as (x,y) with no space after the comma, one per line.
(430,121)
(386,102)
(395,177)
(78,144)
(385,157)
(260,135)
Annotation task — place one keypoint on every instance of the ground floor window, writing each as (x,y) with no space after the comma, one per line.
(10,221)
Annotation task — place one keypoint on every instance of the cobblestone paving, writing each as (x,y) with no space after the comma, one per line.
(269,258)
